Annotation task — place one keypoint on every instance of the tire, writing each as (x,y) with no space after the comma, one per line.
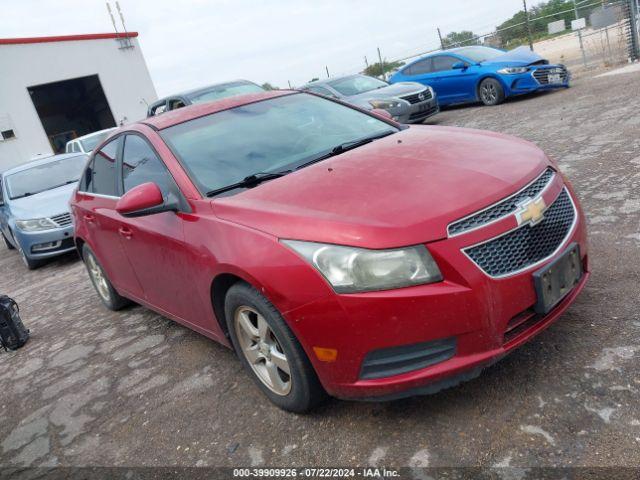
(297,391)
(28,262)
(7,243)
(491,92)
(108,295)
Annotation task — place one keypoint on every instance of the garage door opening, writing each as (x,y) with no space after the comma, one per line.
(71,108)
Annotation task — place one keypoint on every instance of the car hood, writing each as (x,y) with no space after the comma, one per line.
(44,204)
(392,91)
(518,57)
(401,190)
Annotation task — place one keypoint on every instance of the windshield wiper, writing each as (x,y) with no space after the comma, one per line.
(249,181)
(345,147)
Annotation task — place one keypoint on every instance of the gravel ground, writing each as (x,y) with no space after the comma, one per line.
(98,388)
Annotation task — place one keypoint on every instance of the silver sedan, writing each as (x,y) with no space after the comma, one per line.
(407,102)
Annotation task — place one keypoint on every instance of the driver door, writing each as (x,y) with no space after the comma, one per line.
(154,244)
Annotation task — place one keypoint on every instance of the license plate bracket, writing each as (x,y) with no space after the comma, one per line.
(555,78)
(556,280)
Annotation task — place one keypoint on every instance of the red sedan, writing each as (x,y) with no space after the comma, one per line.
(336,251)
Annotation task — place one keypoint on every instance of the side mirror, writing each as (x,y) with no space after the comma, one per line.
(459,66)
(382,113)
(145,199)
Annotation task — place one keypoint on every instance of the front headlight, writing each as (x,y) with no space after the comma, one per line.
(351,269)
(513,70)
(385,104)
(36,225)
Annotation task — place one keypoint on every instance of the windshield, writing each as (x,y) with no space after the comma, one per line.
(479,54)
(357,84)
(273,135)
(92,141)
(226,90)
(45,177)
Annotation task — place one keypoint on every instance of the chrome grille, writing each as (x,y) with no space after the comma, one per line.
(503,208)
(526,246)
(542,74)
(62,220)
(415,97)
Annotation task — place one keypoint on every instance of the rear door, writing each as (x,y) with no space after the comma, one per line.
(96,202)
(155,243)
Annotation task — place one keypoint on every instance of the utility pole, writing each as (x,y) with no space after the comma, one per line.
(366,62)
(584,56)
(289,82)
(440,37)
(526,15)
(327,68)
(384,77)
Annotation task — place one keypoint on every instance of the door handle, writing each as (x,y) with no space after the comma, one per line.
(89,218)
(125,232)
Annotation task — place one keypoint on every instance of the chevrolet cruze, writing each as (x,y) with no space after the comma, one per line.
(336,251)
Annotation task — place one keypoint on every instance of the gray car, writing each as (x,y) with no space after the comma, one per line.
(35,216)
(407,102)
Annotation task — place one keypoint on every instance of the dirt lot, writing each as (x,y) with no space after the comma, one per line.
(131,388)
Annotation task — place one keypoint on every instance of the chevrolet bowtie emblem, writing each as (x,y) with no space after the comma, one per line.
(531,211)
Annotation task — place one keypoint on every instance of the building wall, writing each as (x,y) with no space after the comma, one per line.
(123,74)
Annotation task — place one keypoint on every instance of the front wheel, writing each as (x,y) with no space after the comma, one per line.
(7,243)
(270,352)
(109,296)
(491,92)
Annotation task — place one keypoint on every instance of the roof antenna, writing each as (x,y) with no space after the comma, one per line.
(113,20)
(122,19)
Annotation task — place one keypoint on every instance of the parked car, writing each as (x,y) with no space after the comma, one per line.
(488,75)
(34,207)
(407,102)
(87,143)
(202,95)
(337,251)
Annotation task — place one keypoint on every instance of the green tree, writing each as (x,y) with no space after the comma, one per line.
(460,39)
(377,70)
(314,79)
(268,86)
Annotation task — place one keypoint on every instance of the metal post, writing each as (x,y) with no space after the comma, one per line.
(366,62)
(526,15)
(635,32)
(384,77)
(584,55)
(327,68)
(441,41)
(289,82)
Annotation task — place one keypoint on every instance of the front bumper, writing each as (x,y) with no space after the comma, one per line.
(536,79)
(45,244)
(417,112)
(469,306)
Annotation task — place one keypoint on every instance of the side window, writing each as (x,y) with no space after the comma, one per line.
(140,164)
(444,62)
(101,174)
(176,103)
(158,109)
(419,68)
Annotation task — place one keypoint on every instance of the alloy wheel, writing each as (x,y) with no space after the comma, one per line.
(98,277)
(489,93)
(262,350)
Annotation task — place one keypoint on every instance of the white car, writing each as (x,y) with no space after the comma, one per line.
(87,143)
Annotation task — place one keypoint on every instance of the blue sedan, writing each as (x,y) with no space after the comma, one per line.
(34,207)
(489,75)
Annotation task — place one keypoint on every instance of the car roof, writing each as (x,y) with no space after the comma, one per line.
(43,161)
(89,135)
(203,89)
(190,112)
(328,81)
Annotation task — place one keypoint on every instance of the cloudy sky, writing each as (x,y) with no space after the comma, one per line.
(190,43)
